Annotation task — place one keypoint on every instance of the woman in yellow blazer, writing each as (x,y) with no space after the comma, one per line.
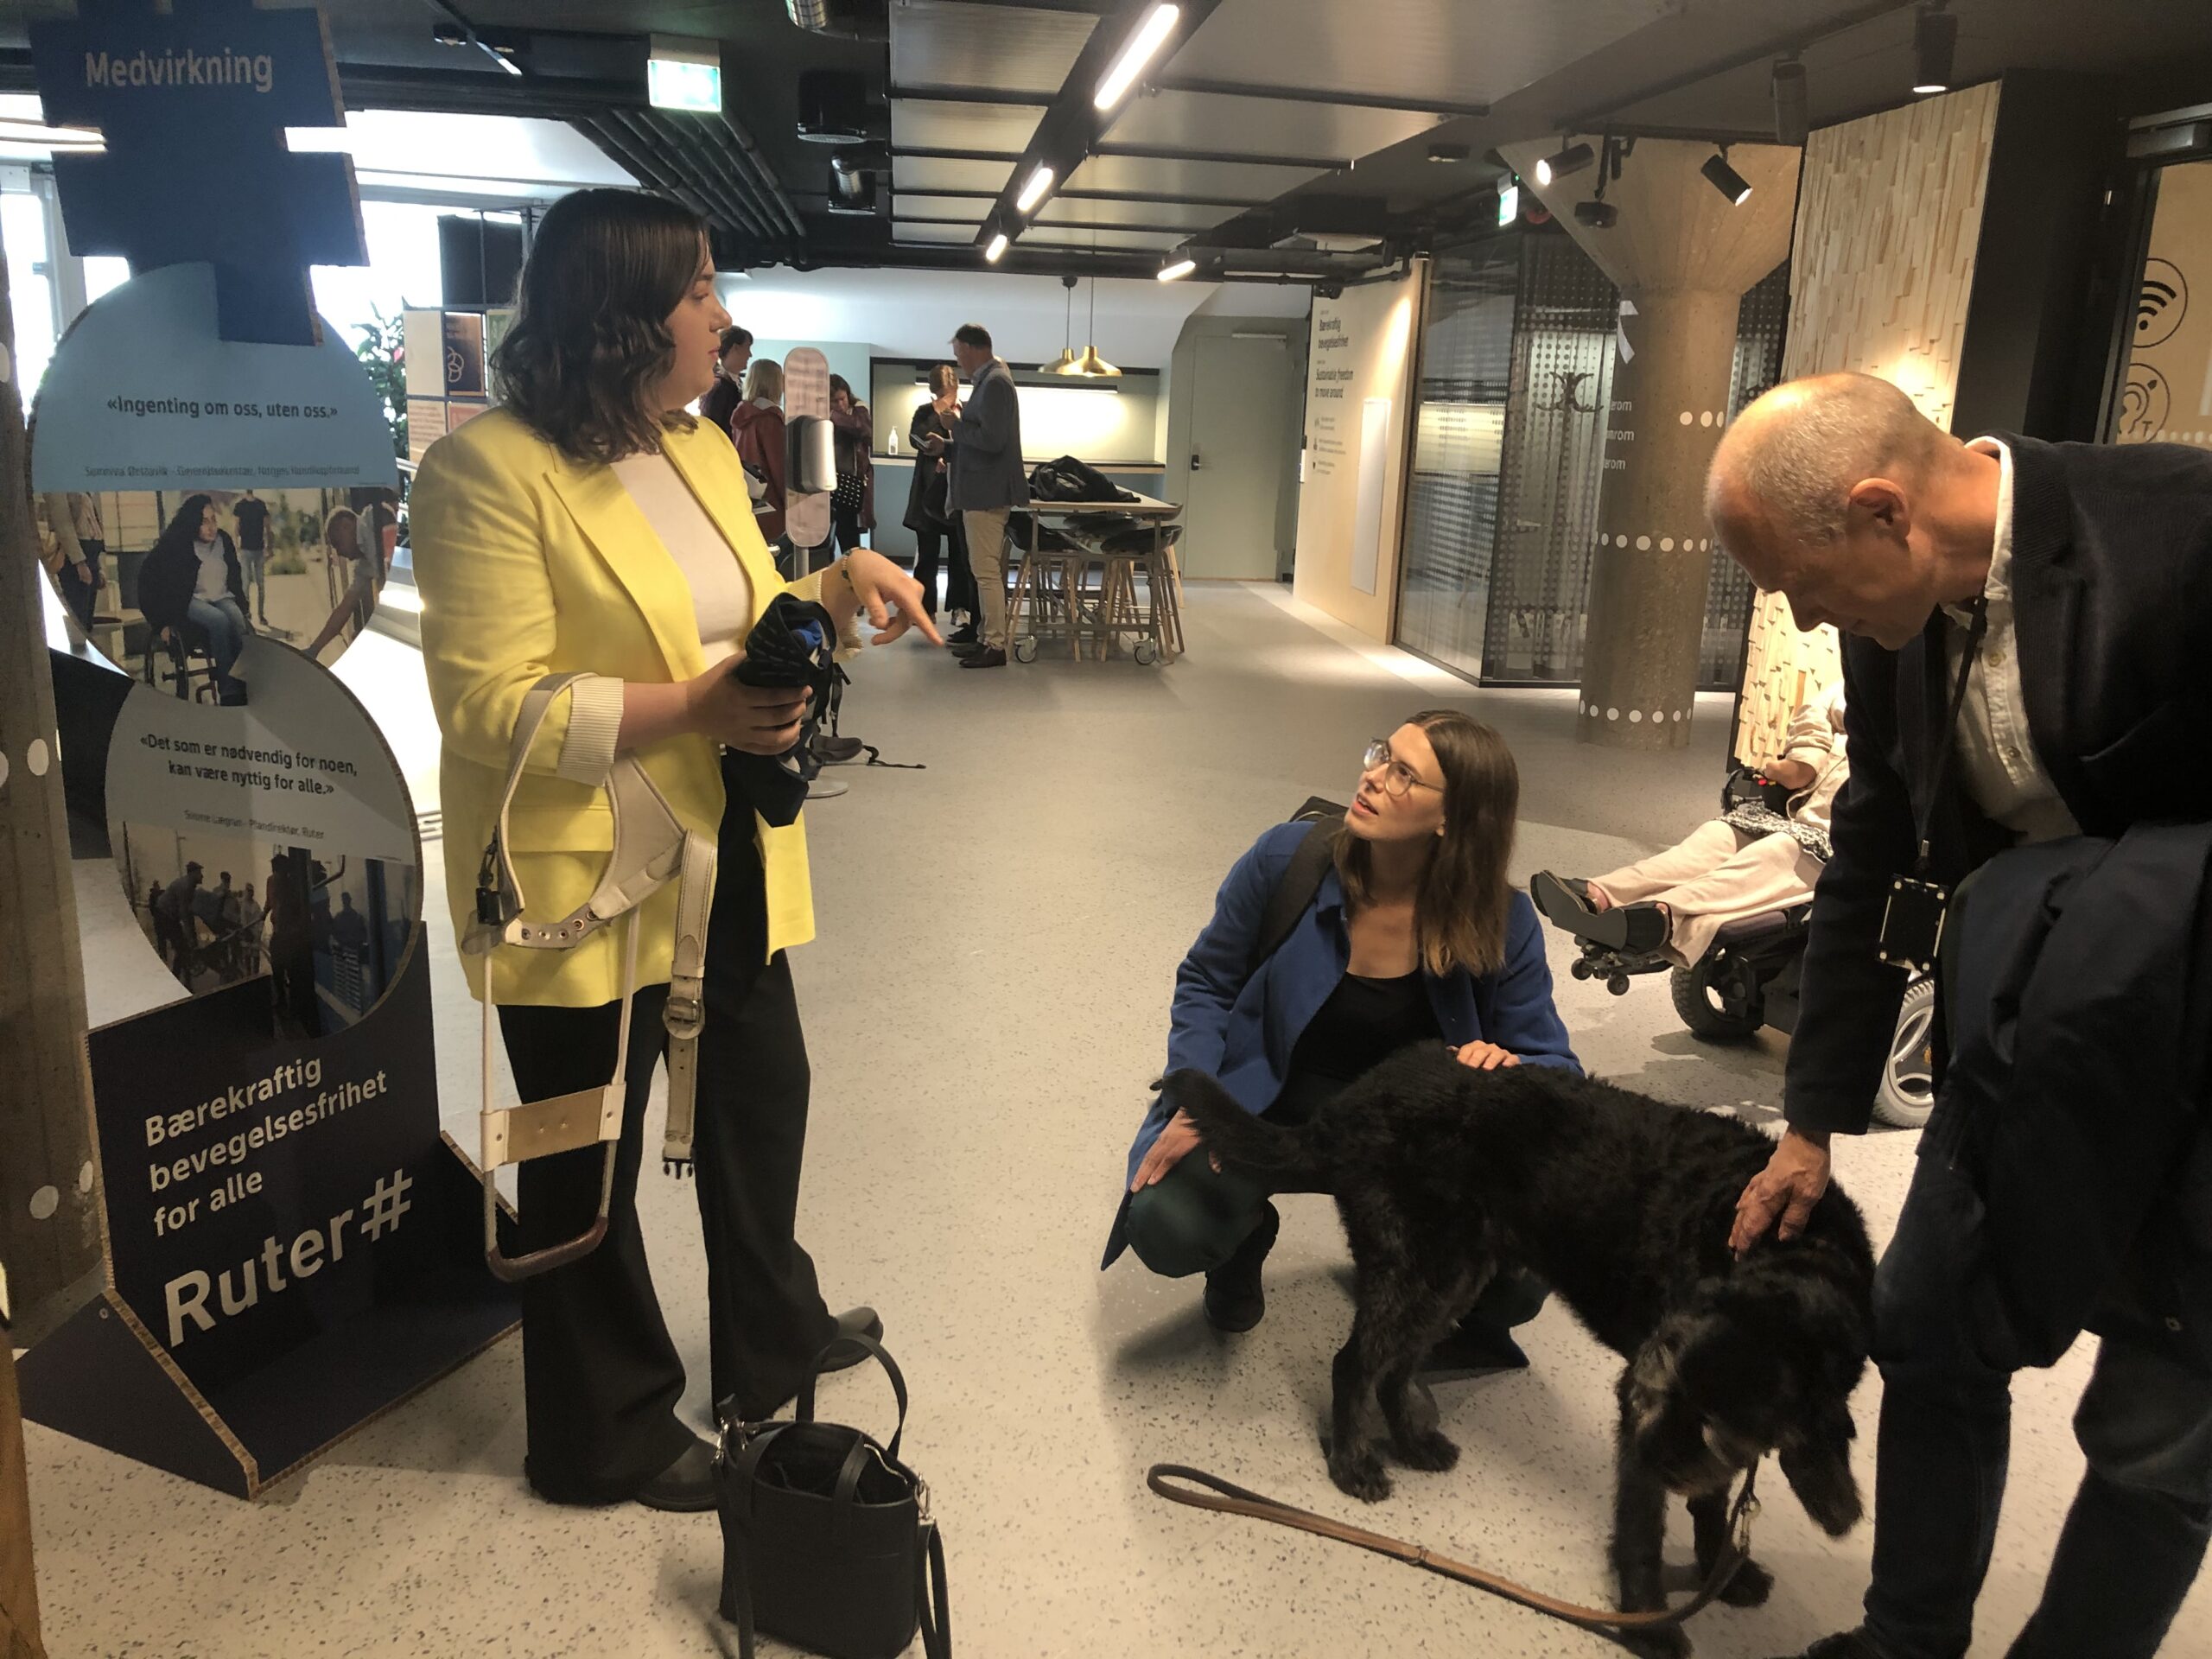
(589,525)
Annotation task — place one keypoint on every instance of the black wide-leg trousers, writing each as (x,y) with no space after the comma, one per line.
(601,1375)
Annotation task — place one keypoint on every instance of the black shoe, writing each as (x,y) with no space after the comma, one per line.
(1564,900)
(1844,1645)
(990,657)
(964,636)
(968,648)
(686,1486)
(1474,1348)
(853,1322)
(1234,1300)
(835,751)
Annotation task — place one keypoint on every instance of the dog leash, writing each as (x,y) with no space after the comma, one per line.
(1237,1500)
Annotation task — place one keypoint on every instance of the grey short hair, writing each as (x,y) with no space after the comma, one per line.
(1802,461)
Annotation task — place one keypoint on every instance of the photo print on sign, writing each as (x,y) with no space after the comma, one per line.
(268,842)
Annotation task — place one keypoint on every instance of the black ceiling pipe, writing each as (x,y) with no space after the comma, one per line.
(690,162)
(735,136)
(656,169)
(695,141)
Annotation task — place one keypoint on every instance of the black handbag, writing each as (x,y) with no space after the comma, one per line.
(827,1538)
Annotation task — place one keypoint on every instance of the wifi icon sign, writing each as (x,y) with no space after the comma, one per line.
(2161,304)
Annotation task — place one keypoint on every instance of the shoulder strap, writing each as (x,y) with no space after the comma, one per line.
(1293,894)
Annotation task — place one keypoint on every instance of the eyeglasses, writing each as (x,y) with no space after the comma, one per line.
(1398,778)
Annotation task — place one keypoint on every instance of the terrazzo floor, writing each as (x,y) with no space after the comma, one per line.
(985,1003)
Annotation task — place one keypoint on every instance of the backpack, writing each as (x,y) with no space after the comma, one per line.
(1294,888)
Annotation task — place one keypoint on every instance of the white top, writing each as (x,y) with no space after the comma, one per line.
(1997,754)
(722,593)
(213,580)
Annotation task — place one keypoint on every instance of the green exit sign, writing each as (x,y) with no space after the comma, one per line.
(670,84)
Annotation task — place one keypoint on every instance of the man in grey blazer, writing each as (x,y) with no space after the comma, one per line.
(987,479)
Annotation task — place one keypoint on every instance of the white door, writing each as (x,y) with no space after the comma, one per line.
(1240,427)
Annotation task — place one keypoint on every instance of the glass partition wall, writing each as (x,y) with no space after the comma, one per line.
(1509,455)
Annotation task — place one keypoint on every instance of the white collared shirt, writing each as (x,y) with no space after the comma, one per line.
(1996,757)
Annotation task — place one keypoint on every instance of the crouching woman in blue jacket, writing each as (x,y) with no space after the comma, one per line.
(1412,935)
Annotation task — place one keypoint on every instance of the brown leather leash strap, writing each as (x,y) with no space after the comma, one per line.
(1235,1500)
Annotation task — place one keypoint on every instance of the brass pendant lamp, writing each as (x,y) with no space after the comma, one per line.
(1090,365)
(1068,363)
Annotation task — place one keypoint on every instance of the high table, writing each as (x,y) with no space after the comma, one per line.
(1052,596)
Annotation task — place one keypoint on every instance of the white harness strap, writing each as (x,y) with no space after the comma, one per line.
(651,848)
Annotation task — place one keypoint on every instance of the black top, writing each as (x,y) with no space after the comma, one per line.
(253,522)
(1364,1023)
(2111,595)
(720,403)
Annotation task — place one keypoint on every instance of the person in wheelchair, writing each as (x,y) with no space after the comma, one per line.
(191,587)
(1761,856)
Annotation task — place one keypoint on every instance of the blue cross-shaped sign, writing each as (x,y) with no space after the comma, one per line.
(193,104)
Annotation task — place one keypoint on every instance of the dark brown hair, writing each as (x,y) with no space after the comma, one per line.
(590,336)
(1465,902)
(973,335)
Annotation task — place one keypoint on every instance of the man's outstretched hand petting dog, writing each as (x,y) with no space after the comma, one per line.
(1786,1189)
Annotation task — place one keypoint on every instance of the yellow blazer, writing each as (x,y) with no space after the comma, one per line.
(530,563)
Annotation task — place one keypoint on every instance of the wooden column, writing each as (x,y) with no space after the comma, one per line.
(49,1227)
(1681,255)
(50,1217)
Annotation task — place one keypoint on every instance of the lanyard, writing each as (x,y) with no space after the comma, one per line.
(1980,626)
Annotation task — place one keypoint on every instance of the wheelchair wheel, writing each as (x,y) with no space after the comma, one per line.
(1718,998)
(1907,1094)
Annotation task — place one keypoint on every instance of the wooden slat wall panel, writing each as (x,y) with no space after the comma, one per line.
(1888,221)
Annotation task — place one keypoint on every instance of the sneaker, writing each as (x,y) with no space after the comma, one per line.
(1234,1300)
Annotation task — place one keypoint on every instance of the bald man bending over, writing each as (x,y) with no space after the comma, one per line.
(2085,709)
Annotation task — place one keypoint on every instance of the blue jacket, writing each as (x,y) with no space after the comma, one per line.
(1242,1031)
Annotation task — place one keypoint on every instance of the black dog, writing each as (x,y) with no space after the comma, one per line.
(1445,1174)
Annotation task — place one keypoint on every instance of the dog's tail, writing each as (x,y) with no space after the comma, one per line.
(1239,1137)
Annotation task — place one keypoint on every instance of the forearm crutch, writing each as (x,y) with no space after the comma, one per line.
(652,847)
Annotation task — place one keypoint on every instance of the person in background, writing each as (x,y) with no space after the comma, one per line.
(74,520)
(1412,935)
(728,390)
(361,556)
(191,586)
(169,944)
(251,513)
(297,1008)
(1751,860)
(180,901)
(248,933)
(853,507)
(936,527)
(756,426)
(987,480)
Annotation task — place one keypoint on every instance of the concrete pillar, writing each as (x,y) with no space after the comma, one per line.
(1681,255)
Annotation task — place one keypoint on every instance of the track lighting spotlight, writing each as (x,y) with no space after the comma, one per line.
(1935,41)
(1726,180)
(1570,158)
(1791,120)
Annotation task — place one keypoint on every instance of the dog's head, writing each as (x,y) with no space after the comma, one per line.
(1762,1361)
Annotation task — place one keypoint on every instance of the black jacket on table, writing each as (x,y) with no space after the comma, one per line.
(2111,595)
